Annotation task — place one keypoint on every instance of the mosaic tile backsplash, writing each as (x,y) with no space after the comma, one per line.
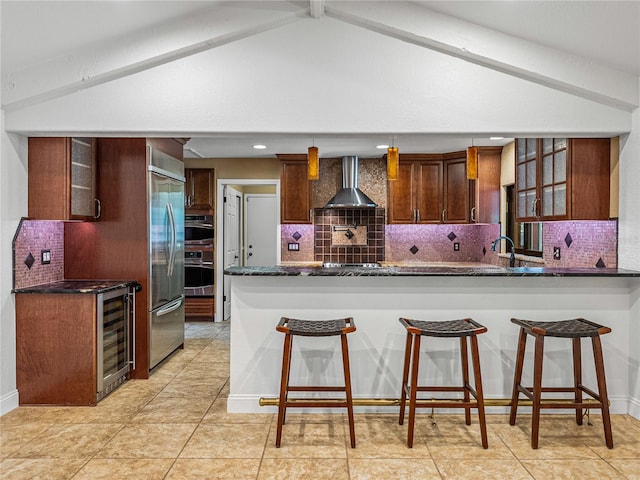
(372,180)
(33,236)
(326,250)
(302,235)
(582,244)
(441,243)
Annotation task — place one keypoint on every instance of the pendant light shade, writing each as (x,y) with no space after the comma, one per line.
(472,163)
(393,160)
(314,164)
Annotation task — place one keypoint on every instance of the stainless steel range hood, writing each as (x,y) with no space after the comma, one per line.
(350,196)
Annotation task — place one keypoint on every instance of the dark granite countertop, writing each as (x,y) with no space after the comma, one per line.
(77,286)
(426,271)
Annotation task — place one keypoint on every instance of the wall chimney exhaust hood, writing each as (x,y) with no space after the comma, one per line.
(350,196)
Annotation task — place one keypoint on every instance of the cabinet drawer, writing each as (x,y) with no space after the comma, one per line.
(199,307)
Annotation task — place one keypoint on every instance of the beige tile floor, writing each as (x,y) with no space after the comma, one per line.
(175,426)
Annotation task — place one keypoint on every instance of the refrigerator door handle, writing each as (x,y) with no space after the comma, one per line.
(170,308)
(172,241)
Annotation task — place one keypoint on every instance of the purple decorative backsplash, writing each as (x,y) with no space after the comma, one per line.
(32,237)
(300,234)
(582,243)
(438,243)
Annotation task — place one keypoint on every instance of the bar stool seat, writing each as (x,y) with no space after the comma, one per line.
(314,328)
(576,329)
(449,328)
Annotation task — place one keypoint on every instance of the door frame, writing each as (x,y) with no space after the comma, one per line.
(219,231)
(237,201)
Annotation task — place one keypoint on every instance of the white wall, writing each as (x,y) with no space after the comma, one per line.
(13,206)
(313,75)
(629,245)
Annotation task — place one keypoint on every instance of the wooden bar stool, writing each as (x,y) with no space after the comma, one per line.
(450,328)
(314,328)
(574,329)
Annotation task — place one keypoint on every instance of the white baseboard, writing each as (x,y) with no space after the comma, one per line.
(9,402)
(634,408)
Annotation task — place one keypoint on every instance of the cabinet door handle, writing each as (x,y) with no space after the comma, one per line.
(417,215)
(132,312)
(535,207)
(98,209)
(310,214)
(444,210)
(473,214)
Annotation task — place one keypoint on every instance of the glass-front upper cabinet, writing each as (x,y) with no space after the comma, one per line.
(84,203)
(554,177)
(541,179)
(63,178)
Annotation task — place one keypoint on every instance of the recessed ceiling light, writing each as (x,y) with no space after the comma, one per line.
(381,147)
(496,138)
(259,147)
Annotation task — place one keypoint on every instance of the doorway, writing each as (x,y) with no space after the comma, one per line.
(260,225)
(224,217)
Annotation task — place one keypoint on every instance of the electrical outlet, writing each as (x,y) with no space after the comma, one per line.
(45,257)
(556,253)
(456,247)
(293,247)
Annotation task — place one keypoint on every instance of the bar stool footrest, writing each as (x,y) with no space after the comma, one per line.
(311,388)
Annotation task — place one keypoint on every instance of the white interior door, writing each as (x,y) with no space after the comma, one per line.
(260,230)
(232,246)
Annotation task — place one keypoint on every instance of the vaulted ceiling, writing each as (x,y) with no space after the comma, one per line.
(76,45)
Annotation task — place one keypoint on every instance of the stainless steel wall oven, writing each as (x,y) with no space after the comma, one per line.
(198,256)
(198,230)
(198,271)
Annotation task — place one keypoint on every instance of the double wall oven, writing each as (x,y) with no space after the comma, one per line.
(198,256)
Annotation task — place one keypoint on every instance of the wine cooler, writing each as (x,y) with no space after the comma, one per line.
(116,311)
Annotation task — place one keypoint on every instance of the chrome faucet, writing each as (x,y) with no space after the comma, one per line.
(512,258)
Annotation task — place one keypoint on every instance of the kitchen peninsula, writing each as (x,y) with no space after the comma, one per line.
(377,297)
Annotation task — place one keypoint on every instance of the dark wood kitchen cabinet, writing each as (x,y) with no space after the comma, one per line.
(562,179)
(431,188)
(416,196)
(455,189)
(118,245)
(199,190)
(62,178)
(56,349)
(200,307)
(485,190)
(295,189)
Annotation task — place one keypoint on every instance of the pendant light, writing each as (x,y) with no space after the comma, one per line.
(314,164)
(393,160)
(472,162)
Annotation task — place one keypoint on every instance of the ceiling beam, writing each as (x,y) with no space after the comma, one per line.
(94,66)
(504,53)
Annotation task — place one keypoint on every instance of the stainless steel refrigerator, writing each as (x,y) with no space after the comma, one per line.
(166,255)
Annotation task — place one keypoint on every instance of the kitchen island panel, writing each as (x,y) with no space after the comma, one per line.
(377,347)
